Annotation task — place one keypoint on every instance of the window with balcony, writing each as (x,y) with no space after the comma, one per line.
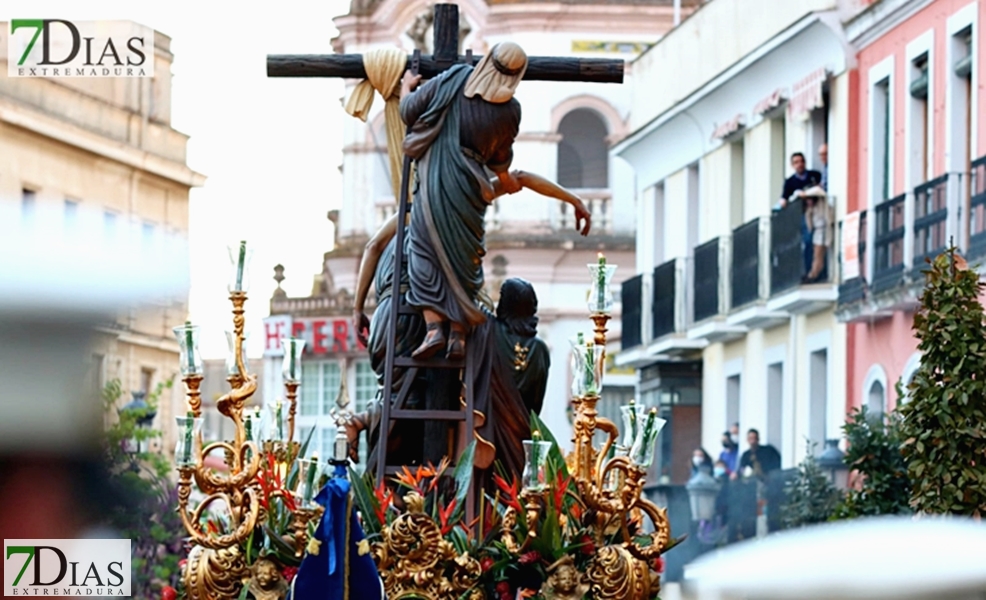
(632,312)
(852,289)
(788,263)
(664,300)
(977,204)
(746,264)
(880,180)
(930,216)
(706,293)
(888,244)
(320,383)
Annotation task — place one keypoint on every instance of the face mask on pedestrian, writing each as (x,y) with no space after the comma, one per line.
(697,461)
(720,471)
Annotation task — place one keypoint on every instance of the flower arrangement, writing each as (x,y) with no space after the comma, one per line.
(524,543)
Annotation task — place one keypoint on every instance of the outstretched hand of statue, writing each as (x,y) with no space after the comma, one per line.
(583,218)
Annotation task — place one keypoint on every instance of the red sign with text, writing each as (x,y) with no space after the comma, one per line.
(327,335)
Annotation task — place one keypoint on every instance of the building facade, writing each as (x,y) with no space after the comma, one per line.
(82,154)
(918,177)
(565,134)
(719,293)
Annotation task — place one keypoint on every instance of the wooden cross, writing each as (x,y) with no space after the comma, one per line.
(446,54)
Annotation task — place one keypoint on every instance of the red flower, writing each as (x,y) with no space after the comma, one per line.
(385,497)
(486,563)
(529,558)
(512,491)
(169,593)
(182,563)
(659,564)
(289,573)
(558,494)
(444,514)
(588,546)
(503,588)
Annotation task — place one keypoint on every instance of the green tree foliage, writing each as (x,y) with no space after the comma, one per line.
(944,425)
(811,497)
(874,453)
(147,497)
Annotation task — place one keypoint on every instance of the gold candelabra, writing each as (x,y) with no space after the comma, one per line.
(217,565)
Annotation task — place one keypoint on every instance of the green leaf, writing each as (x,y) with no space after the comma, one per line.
(366,500)
(463,479)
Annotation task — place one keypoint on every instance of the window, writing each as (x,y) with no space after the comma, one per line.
(583,154)
(109,225)
(366,392)
(818,398)
(732,400)
(736,183)
(658,236)
(876,400)
(28,206)
(98,374)
(775,404)
(148,232)
(71,214)
(693,206)
(146,380)
(881,140)
(920,120)
(320,384)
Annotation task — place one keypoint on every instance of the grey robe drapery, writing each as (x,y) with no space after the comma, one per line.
(453,139)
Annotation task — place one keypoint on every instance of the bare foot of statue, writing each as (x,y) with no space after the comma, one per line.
(433,342)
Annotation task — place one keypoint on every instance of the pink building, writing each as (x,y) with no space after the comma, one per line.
(917,173)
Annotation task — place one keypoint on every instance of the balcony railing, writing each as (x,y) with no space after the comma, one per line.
(787,252)
(600,205)
(631,297)
(746,264)
(930,218)
(977,209)
(663,313)
(706,294)
(854,289)
(888,244)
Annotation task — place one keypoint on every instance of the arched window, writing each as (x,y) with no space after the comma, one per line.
(875,391)
(583,155)
(910,369)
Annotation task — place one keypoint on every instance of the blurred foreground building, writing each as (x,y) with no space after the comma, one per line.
(100,154)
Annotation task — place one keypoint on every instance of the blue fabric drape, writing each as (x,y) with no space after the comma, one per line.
(322,576)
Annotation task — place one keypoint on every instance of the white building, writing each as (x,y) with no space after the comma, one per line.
(565,134)
(718,293)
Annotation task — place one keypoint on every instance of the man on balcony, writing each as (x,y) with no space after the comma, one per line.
(801,180)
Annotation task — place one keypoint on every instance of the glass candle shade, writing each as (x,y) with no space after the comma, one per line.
(239,275)
(601,293)
(278,421)
(231,367)
(189,428)
(588,369)
(293,349)
(535,477)
(642,452)
(309,475)
(188,343)
(634,417)
(253,425)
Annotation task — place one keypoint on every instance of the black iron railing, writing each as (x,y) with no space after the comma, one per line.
(977,212)
(663,306)
(888,244)
(631,295)
(706,292)
(746,264)
(787,254)
(930,215)
(854,288)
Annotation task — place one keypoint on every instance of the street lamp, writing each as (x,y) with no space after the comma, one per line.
(703,490)
(139,406)
(833,461)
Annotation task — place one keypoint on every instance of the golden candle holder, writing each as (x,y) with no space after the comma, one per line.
(217,564)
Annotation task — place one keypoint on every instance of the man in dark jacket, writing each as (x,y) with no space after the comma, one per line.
(761,459)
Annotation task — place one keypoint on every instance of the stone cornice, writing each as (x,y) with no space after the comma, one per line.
(40,123)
